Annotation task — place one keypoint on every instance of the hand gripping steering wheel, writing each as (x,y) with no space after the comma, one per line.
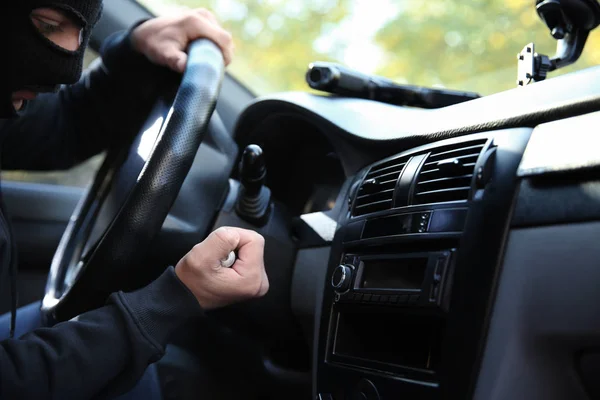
(114,223)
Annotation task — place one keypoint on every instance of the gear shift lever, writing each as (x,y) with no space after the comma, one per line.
(254,200)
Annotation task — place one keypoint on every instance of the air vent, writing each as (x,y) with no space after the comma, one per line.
(447,173)
(376,193)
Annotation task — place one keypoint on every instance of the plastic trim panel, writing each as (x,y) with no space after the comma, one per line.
(546,310)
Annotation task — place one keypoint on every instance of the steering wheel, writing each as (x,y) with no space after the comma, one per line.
(111,228)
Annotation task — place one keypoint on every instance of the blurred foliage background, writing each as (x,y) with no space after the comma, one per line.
(459,44)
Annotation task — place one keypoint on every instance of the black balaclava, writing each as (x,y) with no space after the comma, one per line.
(28,60)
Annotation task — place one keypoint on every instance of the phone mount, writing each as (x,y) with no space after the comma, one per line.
(570,22)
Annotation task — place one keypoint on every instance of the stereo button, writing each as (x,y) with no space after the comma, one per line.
(345,298)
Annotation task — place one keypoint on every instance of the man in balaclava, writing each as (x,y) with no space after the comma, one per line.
(103,352)
(32,60)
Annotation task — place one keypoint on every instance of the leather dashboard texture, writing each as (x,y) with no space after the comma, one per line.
(364,120)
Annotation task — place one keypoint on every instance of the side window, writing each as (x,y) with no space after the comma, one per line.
(80,175)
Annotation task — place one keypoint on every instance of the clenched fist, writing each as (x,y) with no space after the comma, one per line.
(216,286)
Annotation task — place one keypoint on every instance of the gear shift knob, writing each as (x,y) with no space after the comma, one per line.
(252,169)
(254,199)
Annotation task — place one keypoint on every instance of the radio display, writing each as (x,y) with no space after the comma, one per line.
(398,273)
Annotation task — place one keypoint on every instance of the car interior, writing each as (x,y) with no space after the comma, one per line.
(437,249)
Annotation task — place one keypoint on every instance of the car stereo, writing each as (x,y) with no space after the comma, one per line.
(408,280)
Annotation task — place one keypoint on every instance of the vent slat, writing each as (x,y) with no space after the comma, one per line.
(448,190)
(461,146)
(463,158)
(448,182)
(439,174)
(476,149)
(385,171)
(468,166)
(444,183)
(393,175)
(379,194)
(383,187)
(373,207)
(367,198)
(390,163)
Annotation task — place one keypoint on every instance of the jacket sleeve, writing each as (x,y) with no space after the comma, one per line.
(110,102)
(99,354)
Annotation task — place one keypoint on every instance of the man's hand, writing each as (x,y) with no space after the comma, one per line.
(164,40)
(215,286)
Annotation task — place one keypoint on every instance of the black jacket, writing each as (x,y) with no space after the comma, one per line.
(103,352)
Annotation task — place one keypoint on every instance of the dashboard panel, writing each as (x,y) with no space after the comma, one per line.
(402,296)
(371,122)
(430,244)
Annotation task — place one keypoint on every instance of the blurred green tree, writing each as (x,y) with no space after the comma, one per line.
(460,44)
(467,44)
(273,39)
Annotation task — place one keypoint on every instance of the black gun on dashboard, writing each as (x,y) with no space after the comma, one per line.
(337,79)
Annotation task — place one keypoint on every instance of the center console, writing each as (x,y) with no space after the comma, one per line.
(392,299)
(371,292)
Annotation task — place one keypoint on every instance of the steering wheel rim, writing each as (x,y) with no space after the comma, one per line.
(120,247)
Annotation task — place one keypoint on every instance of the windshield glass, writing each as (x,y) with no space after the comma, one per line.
(457,44)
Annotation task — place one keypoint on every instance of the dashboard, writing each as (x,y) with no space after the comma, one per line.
(430,254)
(412,253)
(418,259)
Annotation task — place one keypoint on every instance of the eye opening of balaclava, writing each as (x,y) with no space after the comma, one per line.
(33,61)
(75,21)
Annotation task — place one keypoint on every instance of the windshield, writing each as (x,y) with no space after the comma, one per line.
(457,44)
